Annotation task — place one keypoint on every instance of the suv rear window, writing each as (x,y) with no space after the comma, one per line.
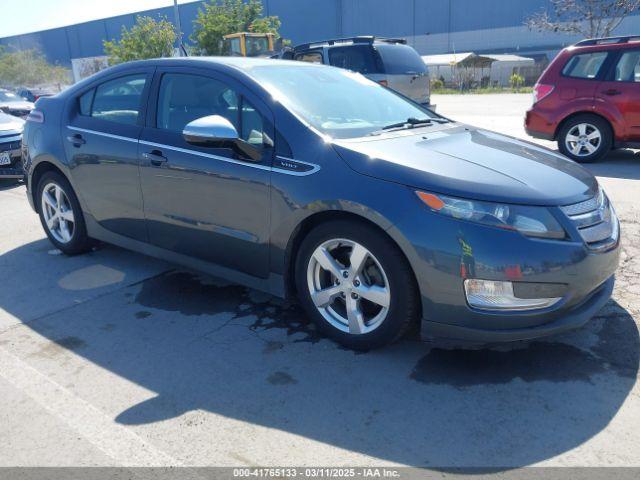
(358,58)
(586,65)
(400,59)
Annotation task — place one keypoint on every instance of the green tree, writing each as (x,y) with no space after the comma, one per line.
(148,38)
(516,81)
(229,16)
(30,67)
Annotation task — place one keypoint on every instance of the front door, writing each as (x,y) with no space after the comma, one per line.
(203,202)
(100,135)
(621,93)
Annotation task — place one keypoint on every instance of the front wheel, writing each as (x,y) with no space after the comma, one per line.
(585,138)
(61,215)
(356,285)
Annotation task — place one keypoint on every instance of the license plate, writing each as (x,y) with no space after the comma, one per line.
(5,158)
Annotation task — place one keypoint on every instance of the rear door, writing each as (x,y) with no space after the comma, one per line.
(620,93)
(103,123)
(207,203)
(580,76)
(405,71)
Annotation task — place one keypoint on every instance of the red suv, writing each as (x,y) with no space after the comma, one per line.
(588,99)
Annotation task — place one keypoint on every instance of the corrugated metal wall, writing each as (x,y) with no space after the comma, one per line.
(432,26)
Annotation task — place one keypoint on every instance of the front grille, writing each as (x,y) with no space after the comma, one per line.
(595,220)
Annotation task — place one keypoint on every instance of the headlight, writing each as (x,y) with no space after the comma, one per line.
(530,221)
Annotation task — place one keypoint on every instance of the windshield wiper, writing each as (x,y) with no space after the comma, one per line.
(407,124)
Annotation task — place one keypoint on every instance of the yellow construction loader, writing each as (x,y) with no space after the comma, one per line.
(247,44)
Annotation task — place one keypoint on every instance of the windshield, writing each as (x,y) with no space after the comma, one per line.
(338,103)
(8,97)
(400,59)
(257,46)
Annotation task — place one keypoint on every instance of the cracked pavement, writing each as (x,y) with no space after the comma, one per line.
(113,358)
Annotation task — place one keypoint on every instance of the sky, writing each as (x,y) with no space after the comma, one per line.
(23,16)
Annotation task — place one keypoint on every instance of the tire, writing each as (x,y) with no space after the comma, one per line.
(382,294)
(72,239)
(574,138)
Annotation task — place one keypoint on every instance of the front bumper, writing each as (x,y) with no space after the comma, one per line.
(443,252)
(572,319)
(14,169)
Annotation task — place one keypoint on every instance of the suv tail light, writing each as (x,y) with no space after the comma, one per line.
(35,116)
(540,91)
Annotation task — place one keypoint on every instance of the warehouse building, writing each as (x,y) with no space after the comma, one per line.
(431,26)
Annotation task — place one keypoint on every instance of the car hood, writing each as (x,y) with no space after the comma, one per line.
(18,105)
(10,123)
(463,161)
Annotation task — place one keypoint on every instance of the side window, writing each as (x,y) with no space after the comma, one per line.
(84,102)
(628,67)
(311,57)
(358,58)
(585,66)
(118,100)
(184,98)
(252,125)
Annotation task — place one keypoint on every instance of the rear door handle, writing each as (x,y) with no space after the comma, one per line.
(155,157)
(612,91)
(76,140)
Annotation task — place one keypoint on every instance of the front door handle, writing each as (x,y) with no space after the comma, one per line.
(612,91)
(155,157)
(76,140)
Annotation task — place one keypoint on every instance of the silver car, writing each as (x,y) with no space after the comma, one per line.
(10,138)
(388,61)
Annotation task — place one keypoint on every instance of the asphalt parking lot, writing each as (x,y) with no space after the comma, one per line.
(112,358)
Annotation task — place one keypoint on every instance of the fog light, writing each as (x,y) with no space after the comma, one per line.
(492,295)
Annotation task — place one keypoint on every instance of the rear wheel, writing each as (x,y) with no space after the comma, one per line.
(356,285)
(61,215)
(585,138)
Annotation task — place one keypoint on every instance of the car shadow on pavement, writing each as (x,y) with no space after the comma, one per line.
(624,164)
(204,345)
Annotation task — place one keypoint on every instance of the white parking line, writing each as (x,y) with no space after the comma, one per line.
(118,442)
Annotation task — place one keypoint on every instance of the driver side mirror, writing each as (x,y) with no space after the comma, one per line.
(216,131)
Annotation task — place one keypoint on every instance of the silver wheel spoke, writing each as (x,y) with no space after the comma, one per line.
(358,256)
(595,135)
(64,230)
(376,294)
(582,129)
(58,193)
(67,215)
(354,314)
(324,298)
(51,221)
(572,138)
(50,200)
(576,149)
(590,148)
(326,261)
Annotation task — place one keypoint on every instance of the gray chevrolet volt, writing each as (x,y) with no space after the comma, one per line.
(313,182)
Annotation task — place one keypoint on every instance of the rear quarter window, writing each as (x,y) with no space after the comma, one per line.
(400,60)
(357,58)
(585,65)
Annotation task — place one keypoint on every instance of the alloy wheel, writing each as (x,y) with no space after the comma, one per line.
(583,139)
(58,213)
(348,286)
